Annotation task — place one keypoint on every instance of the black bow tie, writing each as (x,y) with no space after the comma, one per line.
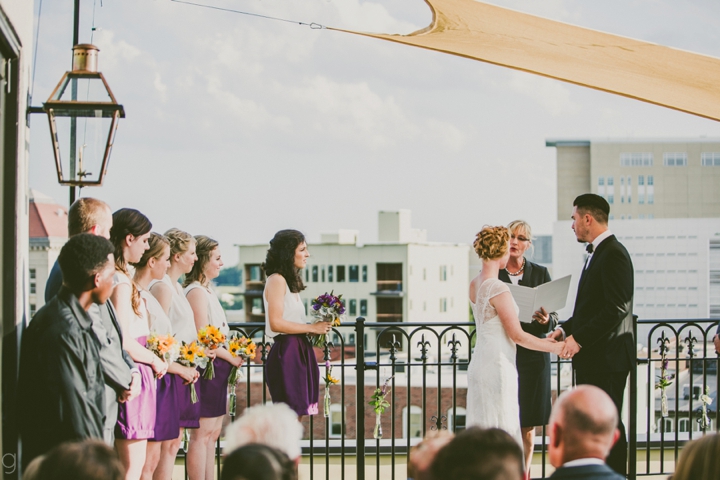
(590,248)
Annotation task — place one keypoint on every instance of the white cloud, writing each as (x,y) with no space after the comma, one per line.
(553,95)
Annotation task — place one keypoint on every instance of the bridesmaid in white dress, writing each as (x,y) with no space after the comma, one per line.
(492,397)
(213,393)
(160,454)
(171,298)
(136,418)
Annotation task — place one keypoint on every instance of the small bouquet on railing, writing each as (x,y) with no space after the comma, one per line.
(164,346)
(379,404)
(664,380)
(238,346)
(329,380)
(326,308)
(211,338)
(192,355)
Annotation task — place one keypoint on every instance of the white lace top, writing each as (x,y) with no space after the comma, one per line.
(181,315)
(492,287)
(216,314)
(139,325)
(293,310)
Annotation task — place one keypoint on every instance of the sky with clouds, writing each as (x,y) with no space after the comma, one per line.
(239,126)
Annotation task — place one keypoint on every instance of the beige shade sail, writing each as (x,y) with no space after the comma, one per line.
(661,75)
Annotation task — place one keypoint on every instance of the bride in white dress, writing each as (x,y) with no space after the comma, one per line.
(492,395)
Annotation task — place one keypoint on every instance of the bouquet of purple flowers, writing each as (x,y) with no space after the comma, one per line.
(326,308)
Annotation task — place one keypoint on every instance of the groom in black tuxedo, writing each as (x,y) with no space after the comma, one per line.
(599,335)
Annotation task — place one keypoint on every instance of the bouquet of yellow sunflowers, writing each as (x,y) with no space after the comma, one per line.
(238,346)
(192,355)
(211,338)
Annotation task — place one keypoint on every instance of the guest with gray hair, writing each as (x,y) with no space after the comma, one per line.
(583,429)
(275,425)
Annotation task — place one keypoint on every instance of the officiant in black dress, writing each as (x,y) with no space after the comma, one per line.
(533,367)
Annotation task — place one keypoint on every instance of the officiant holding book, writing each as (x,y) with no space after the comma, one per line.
(533,366)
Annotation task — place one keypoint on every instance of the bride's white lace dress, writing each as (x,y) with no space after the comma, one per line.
(492,395)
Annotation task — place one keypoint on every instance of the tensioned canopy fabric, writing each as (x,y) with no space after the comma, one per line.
(665,76)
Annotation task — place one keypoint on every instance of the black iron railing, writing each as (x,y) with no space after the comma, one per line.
(426,364)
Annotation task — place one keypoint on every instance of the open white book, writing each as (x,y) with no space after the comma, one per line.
(552,296)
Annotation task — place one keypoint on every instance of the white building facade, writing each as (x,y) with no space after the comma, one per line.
(402,278)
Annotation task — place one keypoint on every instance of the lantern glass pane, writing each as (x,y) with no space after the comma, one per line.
(85,88)
(86,147)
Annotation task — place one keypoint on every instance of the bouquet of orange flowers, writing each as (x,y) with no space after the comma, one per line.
(164,346)
(192,355)
(238,346)
(211,338)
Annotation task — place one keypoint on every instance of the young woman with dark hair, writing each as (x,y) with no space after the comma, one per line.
(212,393)
(291,368)
(136,418)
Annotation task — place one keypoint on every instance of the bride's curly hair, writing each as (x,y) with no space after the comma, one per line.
(491,242)
(281,258)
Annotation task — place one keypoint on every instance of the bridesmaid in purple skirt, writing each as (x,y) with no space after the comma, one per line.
(213,393)
(163,446)
(136,418)
(291,368)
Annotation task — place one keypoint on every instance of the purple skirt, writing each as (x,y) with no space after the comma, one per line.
(292,374)
(189,412)
(136,418)
(213,394)
(167,417)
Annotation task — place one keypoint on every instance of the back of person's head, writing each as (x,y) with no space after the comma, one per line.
(86,460)
(180,241)
(491,243)
(423,454)
(82,257)
(479,454)
(86,213)
(699,459)
(583,424)
(595,205)
(273,424)
(258,462)
(127,221)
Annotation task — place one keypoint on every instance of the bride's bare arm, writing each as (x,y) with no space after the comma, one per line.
(505,308)
(275,294)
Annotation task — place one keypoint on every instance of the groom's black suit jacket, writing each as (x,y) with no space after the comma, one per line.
(602,321)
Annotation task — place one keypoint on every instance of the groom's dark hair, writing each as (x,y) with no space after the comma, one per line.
(479,454)
(595,205)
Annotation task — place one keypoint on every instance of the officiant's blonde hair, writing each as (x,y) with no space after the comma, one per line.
(491,242)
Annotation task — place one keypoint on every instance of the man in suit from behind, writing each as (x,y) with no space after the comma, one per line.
(122,378)
(599,335)
(583,429)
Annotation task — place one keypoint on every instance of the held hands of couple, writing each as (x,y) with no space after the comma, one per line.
(133,391)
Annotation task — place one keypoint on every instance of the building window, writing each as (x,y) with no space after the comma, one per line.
(610,181)
(314,273)
(443,273)
(307,275)
(336,420)
(601,186)
(443,305)
(416,422)
(352,307)
(675,159)
(636,159)
(456,423)
(363,308)
(629,189)
(611,199)
(32,288)
(341,273)
(650,189)
(353,273)
(33,274)
(364,273)
(710,159)
(33,309)
(322,272)
(330,273)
